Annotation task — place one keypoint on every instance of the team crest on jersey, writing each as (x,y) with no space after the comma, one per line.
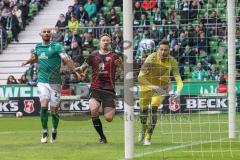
(29,106)
(108,59)
(43,56)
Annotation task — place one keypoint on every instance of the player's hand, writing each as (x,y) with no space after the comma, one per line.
(118,62)
(159,90)
(23,64)
(79,72)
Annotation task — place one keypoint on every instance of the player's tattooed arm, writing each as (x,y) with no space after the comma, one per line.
(82,67)
(32,59)
(67,61)
(80,70)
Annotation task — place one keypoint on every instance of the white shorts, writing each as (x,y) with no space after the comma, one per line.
(48,92)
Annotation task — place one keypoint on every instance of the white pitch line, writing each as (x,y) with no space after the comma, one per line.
(173,148)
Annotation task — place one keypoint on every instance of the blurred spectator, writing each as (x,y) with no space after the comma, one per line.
(185,11)
(76,6)
(74,37)
(11,80)
(194,9)
(137,12)
(82,15)
(66,89)
(12,25)
(18,13)
(91,8)
(23,79)
(113,18)
(118,3)
(62,23)
(203,45)
(76,53)
(213,73)
(222,86)
(158,16)
(33,81)
(207,61)
(189,57)
(25,11)
(176,52)
(117,40)
(87,42)
(73,24)
(99,4)
(144,21)
(101,19)
(4,37)
(155,34)
(148,4)
(199,74)
(69,13)
(57,36)
(161,4)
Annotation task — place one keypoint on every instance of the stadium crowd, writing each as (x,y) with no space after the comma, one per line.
(14,16)
(196,30)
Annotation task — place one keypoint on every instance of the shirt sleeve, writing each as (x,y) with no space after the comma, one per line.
(175,72)
(59,48)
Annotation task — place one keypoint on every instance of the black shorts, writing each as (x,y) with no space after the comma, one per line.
(104,96)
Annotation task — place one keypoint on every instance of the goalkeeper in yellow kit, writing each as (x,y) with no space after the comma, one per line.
(154,81)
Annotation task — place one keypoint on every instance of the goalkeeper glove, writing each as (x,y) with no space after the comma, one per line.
(176,97)
(159,90)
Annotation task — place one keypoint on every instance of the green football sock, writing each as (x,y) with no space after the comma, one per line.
(55,120)
(44,118)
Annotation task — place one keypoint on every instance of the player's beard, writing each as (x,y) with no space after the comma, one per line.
(46,39)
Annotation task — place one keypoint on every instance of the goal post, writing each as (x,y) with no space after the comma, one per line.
(128,79)
(231,69)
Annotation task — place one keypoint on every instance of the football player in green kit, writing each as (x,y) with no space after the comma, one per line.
(49,56)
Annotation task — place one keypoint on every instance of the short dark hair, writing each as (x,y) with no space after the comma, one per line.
(164,42)
(104,34)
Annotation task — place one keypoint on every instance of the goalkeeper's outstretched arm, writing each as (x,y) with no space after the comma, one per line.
(179,81)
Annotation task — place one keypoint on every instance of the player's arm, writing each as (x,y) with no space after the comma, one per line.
(67,61)
(80,70)
(32,59)
(177,76)
(179,81)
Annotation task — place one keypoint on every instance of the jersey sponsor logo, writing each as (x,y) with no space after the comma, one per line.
(108,59)
(43,56)
(29,106)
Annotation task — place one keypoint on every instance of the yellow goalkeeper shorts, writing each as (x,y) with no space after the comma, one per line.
(149,97)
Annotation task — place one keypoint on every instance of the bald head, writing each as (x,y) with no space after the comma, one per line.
(46,34)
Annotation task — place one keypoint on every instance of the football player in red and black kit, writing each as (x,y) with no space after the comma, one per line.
(102,91)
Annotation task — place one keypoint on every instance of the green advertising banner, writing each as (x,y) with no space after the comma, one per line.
(190,88)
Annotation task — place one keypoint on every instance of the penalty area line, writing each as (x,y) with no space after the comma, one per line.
(174,148)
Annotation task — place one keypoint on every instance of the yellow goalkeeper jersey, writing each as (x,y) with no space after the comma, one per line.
(155,71)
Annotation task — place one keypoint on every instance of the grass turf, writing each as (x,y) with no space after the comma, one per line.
(185,137)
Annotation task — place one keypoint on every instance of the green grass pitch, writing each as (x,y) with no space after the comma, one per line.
(181,137)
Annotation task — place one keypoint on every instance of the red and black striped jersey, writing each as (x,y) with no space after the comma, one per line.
(103,69)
